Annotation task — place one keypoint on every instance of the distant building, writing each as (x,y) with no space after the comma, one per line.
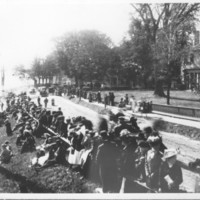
(191,68)
(60,79)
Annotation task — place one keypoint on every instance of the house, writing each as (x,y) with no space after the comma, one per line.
(191,70)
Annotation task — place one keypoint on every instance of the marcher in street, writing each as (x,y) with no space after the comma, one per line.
(99,97)
(45,102)
(126,99)
(60,112)
(105,100)
(38,100)
(53,102)
(112,99)
(90,97)
(133,103)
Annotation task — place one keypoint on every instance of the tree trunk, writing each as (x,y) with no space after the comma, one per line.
(168,94)
(159,88)
(76,81)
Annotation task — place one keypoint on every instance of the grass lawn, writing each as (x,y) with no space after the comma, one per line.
(55,179)
(149,95)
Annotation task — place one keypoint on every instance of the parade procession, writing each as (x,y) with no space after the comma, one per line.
(117,154)
(99,98)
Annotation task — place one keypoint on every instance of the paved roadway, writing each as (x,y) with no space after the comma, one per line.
(189,149)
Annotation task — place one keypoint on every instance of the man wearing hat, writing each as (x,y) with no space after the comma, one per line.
(46,102)
(122,125)
(60,112)
(106,159)
(147,131)
(134,124)
(127,161)
(171,173)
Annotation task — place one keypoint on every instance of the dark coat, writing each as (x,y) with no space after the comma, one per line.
(175,173)
(107,155)
(8,128)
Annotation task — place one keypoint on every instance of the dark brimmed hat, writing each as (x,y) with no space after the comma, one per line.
(148,129)
(133,119)
(143,144)
(140,136)
(103,134)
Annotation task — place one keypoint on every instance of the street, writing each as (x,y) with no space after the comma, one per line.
(189,149)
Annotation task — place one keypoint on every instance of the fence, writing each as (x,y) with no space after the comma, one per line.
(191,112)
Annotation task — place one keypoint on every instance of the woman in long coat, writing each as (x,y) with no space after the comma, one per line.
(106,158)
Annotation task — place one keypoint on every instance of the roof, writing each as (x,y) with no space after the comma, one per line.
(193,69)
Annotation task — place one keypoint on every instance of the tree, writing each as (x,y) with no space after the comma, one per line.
(50,67)
(151,16)
(84,55)
(163,24)
(137,55)
(174,38)
(36,70)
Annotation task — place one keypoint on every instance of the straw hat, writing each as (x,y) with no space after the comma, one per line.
(168,153)
(125,133)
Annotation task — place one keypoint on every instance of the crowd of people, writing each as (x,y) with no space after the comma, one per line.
(108,99)
(118,154)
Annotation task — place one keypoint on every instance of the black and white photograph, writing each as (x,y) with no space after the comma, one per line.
(99,98)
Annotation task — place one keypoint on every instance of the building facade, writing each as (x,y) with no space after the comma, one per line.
(191,70)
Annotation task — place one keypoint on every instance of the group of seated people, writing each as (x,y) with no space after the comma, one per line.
(117,154)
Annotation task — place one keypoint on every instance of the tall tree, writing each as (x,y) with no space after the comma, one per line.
(137,55)
(50,67)
(36,70)
(84,55)
(169,19)
(174,38)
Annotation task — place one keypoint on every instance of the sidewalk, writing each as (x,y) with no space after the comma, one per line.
(168,117)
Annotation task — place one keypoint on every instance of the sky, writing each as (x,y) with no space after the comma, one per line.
(28,27)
